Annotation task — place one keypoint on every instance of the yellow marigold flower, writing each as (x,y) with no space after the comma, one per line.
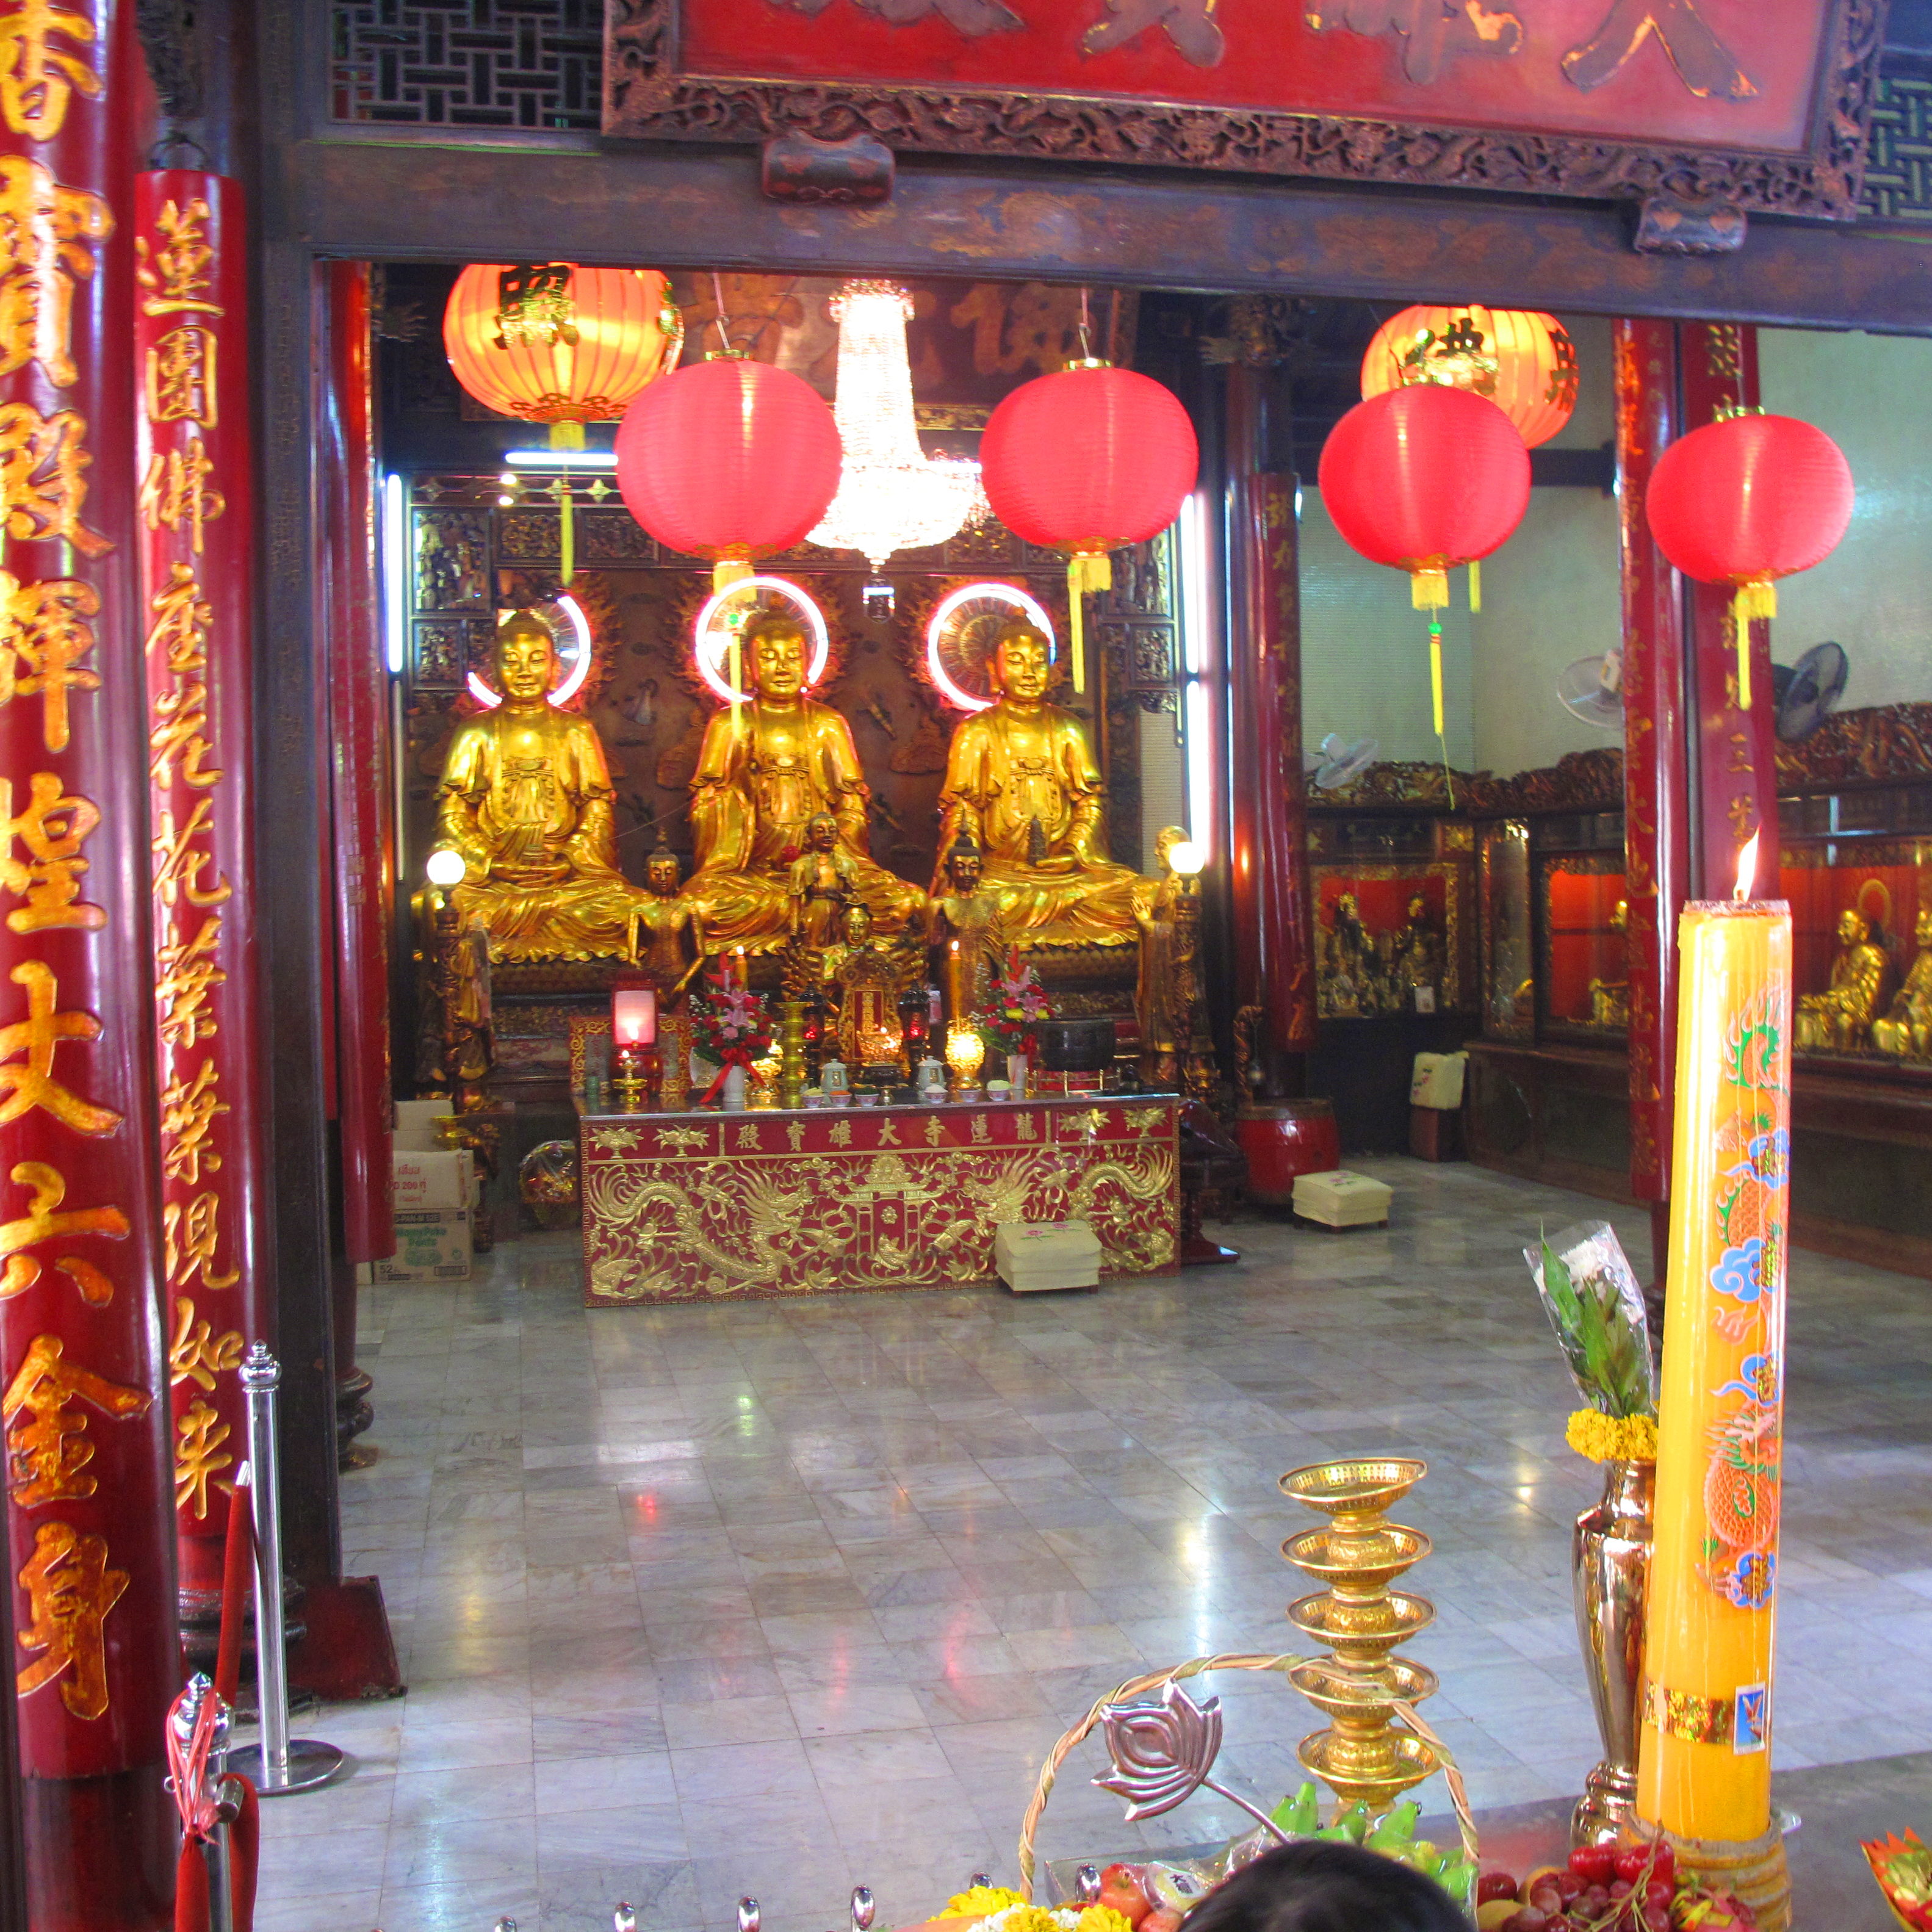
(1103,1918)
(1604,1439)
(980,1900)
(1030,1919)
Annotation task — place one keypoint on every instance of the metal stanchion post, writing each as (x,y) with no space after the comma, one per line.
(280,1764)
(215,1850)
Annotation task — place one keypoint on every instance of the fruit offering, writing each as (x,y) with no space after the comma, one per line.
(1608,1889)
(1394,1837)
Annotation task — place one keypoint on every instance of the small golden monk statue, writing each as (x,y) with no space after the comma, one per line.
(870,1036)
(1161,998)
(1906,1029)
(823,884)
(1838,1019)
(667,931)
(963,932)
(525,797)
(1021,783)
(766,769)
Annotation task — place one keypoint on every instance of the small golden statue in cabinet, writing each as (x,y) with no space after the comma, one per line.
(1348,984)
(1609,999)
(870,1037)
(1416,956)
(666,930)
(1837,1020)
(1906,1031)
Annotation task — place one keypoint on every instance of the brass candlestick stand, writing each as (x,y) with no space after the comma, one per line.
(791,1053)
(1361,1755)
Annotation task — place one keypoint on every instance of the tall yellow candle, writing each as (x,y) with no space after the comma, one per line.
(1704,1766)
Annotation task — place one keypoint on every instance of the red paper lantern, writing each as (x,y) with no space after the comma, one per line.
(1426,479)
(1520,359)
(1745,501)
(1083,461)
(730,459)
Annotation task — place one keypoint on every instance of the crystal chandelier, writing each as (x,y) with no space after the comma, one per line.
(891,496)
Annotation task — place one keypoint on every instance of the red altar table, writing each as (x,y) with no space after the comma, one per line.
(707,1207)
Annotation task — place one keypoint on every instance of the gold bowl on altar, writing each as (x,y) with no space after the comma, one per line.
(1378,1773)
(1356,1490)
(1358,1567)
(1360,1630)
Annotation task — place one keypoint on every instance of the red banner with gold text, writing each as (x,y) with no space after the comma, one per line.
(190,370)
(89,1494)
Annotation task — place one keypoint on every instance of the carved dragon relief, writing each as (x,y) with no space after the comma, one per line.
(646,97)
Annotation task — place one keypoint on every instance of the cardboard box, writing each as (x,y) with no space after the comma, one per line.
(1033,1256)
(438,1180)
(431,1246)
(1340,1199)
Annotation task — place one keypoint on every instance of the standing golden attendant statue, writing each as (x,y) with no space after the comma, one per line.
(526,799)
(767,768)
(1906,1029)
(1021,783)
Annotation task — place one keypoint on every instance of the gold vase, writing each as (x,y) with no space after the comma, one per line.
(1609,1571)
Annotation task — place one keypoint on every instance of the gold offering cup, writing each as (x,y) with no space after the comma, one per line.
(1358,1555)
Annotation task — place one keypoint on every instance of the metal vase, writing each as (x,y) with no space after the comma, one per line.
(1609,1569)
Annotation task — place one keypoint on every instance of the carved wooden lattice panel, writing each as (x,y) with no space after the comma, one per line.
(1898,168)
(469,63)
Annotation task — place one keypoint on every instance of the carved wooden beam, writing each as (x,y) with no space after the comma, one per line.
(704,207)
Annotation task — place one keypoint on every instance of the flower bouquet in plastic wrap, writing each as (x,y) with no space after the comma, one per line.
(1903,1867)
(1595,1305)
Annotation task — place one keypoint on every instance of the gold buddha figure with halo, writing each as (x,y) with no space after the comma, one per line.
(1906,1030)
(767,768)
(1021,783)
(1837,1020)
(525,797)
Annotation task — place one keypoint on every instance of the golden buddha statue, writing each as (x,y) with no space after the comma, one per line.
(1906,1029)
(962,932)
(1837,1020)
(1021,783)
(870,1035)
(1609,999)
(822,885)
(666,932)
(766,769)
(525,798)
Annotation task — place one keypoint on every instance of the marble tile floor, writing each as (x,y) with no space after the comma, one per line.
(776,1597)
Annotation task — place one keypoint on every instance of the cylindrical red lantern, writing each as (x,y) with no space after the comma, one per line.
(1745,501)
(730,459)
(1520,359)
(1426,479)
(90,1490)
(192,449)
(1084,461)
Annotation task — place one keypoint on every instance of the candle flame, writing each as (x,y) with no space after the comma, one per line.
(1747,866)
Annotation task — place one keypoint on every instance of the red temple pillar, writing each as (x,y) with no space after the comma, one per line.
(1656,803)
(196,502)
(89,1474)
(358,723)
(1736,749)
(1274,977)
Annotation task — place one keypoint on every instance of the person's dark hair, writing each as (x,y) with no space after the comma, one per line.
(1319,1885)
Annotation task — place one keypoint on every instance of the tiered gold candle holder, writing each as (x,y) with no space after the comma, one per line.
(1362,1754)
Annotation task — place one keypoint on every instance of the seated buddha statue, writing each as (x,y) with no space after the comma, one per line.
(525,798)
(1906,1029)
(766,769)
(1021,783)
(1837,1020)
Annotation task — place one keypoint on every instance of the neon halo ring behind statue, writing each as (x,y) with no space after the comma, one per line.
(561,615)
(961,614)
(711,635)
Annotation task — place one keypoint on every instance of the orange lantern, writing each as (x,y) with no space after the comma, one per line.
(1522,361)
(554,343)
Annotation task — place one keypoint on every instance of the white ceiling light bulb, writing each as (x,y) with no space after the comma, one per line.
(891,495)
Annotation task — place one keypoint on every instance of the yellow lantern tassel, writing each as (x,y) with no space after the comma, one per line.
(1757,598)
(1475,584)
(728,570)
(565,436)
(1428,586)
(1086,570)
(1435,673)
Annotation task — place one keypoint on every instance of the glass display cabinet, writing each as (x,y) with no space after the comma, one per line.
(1582,988)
